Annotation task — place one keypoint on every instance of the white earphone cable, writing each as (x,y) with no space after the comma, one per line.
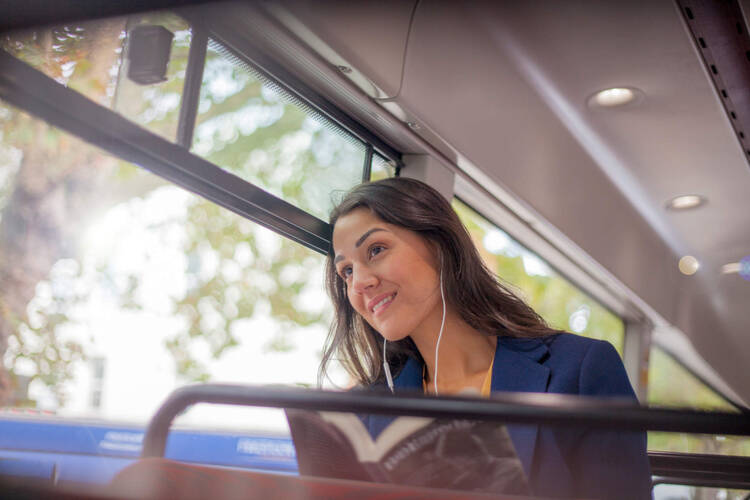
(440,335)
(387,369)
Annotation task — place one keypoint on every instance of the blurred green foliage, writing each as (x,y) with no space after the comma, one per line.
(673,386)
(560,303)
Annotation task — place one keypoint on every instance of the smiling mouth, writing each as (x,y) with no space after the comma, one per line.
(383,303)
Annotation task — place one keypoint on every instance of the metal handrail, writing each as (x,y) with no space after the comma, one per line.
(536,408)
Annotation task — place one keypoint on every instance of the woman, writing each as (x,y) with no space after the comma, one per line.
(416,309)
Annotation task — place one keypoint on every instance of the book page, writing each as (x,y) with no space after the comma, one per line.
(365,448)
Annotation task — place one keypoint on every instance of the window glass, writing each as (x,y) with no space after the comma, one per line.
(684,492)
(117,287)
(253,128)
(560,303)
(93,58)
(672,385)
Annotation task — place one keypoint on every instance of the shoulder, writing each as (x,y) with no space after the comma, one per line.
(569,342)
(559,347)
(593,367)
(578,349)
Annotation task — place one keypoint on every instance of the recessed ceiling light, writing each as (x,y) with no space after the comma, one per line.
(618,96)
(686,202)
(688,265)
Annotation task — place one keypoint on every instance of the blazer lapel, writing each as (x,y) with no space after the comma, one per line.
(517,368)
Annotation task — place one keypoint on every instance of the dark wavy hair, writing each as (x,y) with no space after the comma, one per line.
(471,289)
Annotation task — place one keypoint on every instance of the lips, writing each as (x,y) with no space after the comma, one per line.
(379,302)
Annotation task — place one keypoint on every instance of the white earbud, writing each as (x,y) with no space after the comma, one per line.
(387,369)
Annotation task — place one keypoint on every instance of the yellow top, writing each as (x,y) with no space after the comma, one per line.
(486,385)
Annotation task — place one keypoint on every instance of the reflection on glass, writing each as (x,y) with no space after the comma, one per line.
(254,129)
(82,56)
(89,57)
(672,385)
(117,287)
(560,303)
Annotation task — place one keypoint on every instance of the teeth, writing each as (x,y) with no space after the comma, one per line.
(382,302)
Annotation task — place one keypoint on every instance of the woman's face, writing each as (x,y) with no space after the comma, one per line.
(390,274)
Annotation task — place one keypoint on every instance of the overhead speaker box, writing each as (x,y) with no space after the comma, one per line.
(148,54)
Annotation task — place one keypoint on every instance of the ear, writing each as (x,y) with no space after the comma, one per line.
(437,254)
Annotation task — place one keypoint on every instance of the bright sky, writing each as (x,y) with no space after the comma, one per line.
(144,236)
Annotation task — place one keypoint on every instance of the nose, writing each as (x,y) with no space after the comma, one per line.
(363,278)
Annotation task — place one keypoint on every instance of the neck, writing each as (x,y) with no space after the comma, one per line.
(465,354)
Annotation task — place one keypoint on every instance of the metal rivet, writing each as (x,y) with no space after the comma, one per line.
(344,69)
(413,125)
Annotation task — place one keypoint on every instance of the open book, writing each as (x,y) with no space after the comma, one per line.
(456,454)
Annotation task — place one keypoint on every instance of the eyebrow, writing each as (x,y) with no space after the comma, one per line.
(359,242)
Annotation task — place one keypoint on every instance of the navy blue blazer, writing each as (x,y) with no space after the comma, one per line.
(561,462)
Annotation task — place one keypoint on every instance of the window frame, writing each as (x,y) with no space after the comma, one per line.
(34,92)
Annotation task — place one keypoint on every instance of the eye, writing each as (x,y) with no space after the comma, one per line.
(345,272)
(375,250)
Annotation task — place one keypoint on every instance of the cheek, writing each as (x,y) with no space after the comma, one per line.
(355,300)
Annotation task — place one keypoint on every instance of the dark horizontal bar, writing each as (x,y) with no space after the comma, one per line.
(21,14)
(555,409)
(32,91)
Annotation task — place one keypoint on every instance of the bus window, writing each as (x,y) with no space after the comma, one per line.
(254,128)
(132,287)
(557,300)
(245,122)
(91,58)
(671,385)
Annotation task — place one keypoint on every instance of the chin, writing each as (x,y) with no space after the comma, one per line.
(391,336)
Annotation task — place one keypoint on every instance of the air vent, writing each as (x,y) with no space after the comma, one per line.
(721,38)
